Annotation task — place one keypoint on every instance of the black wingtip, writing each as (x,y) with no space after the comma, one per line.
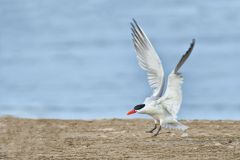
(185,56)
(134,21)
(132,25)
(193,41)
(192,44)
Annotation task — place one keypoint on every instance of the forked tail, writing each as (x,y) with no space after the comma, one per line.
(174,124)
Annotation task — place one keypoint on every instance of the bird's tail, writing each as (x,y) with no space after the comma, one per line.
(174,124)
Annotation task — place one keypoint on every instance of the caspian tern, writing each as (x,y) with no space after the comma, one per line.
(163,108)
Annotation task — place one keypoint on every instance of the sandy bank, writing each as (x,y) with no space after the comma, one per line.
(116,139)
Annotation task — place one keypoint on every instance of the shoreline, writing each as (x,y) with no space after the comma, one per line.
(22,138)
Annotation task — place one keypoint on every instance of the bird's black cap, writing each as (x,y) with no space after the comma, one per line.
(140,106)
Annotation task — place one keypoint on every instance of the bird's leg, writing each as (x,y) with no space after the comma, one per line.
(157,131)
(155,126)
(151,131)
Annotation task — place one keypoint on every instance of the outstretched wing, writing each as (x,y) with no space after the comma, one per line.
(172,98)
(148,59)
(185,56)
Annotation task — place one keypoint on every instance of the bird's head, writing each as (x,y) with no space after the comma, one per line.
(137,109)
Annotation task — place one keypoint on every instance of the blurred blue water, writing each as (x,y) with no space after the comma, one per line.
(75,59)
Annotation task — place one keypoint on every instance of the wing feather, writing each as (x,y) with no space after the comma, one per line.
(172,98)
(185,56)
(148,59)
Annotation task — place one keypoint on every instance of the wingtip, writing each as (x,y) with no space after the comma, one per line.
(185,56)
(193,41)
(134,20)
(131,23)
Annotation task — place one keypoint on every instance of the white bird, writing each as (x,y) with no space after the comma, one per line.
(163,108)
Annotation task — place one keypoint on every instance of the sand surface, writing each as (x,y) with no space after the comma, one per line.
(116,139)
